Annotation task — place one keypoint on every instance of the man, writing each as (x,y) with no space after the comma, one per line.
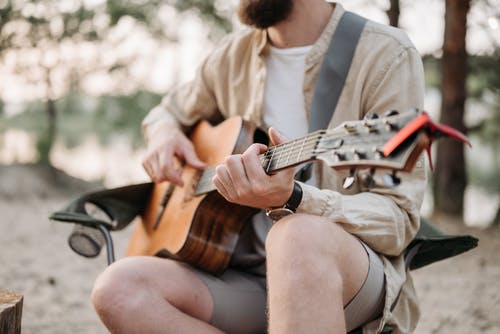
(333,265)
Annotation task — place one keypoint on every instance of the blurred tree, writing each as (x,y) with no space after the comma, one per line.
(393,13)
(450,177)
(31,37)
(47,42)
(216,13)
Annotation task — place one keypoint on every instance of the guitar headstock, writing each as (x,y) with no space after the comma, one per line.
(393,141)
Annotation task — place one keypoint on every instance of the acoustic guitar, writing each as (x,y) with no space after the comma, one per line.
(195,224)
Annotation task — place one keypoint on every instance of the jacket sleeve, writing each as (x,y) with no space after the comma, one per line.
(387,219)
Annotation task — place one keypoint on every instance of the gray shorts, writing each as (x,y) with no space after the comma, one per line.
(240,299)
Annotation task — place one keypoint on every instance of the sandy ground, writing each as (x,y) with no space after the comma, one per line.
(460,296)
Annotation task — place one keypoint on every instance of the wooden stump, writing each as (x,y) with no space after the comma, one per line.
(11,307)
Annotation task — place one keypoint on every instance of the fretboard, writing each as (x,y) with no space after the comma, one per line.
(275,158)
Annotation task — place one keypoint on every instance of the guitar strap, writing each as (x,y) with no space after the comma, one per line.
(331,80)
(332,76)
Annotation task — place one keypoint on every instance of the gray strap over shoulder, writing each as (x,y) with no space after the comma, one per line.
(332,76)
(334,69)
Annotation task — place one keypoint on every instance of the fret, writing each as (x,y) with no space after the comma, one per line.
(289,149)
(304,151)
(301,149)
(310,139)
(280,152)
(271,159)
(288,155)
(205,182)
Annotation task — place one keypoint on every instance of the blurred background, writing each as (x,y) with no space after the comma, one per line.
(78,76)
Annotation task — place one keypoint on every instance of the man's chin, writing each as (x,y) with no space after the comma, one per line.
(263,14)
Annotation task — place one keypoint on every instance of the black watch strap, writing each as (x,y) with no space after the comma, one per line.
(295,198)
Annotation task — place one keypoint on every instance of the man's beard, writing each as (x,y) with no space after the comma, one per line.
(264,13)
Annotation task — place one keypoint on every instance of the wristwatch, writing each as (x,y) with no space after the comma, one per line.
(276,213)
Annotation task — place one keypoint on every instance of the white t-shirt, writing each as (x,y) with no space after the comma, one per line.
(284,106)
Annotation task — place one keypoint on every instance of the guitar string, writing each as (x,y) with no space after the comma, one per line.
(313,137)
(289,147)
(264,156)
(205,181)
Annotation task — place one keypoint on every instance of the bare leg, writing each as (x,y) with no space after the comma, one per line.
(152,295)
(314,268)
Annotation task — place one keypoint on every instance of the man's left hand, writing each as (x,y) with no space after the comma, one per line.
(241,179)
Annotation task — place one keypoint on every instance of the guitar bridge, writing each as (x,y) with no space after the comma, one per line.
(192,188)
(163,205)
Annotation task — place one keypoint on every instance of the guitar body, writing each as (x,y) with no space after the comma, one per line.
(199,229)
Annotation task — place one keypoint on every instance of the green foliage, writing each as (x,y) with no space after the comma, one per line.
(144,12)
(147,13)
(122,116)
(485,179)
(432,71)
(483,86)
(483,75)
(31,120)
(43,146)
(106,117)
(34,24)
(208,11)
(6,13)
(45,27)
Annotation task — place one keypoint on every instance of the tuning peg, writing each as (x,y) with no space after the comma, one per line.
(390,113)
(349,181)
(370,115)
(368,179)
(338,156)
(359,154)
(350,128)
(371,126)
(378,152)
(390,125)
(391,180)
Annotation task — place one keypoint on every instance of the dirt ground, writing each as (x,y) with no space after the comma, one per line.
(460,295)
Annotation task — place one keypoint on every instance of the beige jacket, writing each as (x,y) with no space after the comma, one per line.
(386,73)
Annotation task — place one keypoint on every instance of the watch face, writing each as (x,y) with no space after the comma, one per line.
(277,214)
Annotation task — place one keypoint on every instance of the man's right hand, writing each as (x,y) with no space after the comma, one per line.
(166,146)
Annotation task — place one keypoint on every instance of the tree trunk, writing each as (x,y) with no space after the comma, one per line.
(46,142)
(450,177)
(496,220)
(11,307)
(52,122)
(393,13)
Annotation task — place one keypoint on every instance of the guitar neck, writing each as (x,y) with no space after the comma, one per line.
(274,159)
(291,153)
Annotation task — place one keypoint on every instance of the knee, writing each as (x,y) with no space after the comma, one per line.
(302,243)
(120,286)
